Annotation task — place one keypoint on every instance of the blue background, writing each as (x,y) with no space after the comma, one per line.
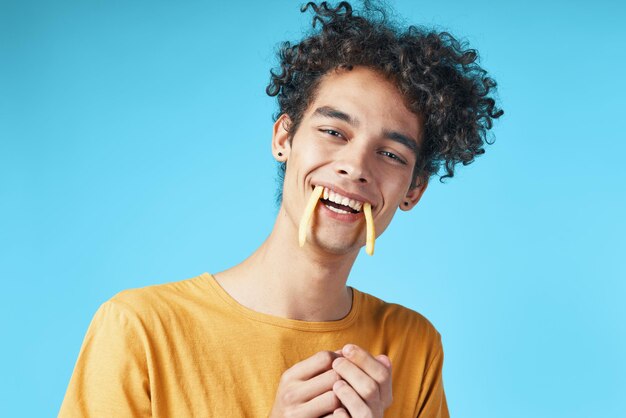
(135,149)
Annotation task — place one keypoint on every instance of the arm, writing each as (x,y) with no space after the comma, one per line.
(111,374)
(432,398)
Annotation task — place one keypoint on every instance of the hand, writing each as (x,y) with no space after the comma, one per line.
(306,389)
(365,386)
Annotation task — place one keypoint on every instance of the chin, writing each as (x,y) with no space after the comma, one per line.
(337,247)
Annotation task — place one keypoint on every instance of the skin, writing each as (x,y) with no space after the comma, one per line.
(358,136)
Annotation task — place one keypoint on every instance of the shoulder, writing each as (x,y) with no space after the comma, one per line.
(393,318)
(159,298)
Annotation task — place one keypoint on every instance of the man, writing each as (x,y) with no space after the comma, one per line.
(367,116)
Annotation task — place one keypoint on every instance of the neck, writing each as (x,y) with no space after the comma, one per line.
(284,280)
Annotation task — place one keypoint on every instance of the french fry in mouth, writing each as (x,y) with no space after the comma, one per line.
(308,214)
(370,236)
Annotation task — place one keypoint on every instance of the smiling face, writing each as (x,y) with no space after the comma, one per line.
(360,142)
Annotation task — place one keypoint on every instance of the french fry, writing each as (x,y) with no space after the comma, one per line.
(308,214)
(370,235)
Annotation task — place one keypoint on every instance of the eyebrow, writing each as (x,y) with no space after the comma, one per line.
(331,112)
(404,140)
(395,136)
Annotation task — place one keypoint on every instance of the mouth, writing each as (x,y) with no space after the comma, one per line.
(339,203)
(347,209)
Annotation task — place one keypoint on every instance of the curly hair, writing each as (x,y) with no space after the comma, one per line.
(439,77)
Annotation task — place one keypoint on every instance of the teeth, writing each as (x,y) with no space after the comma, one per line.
(336,210)
(342,200)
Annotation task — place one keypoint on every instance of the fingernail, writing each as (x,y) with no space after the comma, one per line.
(384,359)
(348,350)
(339,384)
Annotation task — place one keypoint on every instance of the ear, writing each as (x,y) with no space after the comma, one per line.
(281,142)
(413,196)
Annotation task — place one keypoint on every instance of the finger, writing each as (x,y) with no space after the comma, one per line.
(351,400)
(366,387)
(316,386)
(341,413)
(312,366)
(384,360)
(374,367)
(366,362)
(321,405)
(385,387)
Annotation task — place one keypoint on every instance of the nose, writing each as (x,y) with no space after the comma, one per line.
(353,165)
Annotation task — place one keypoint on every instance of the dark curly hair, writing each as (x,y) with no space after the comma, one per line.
(439,77)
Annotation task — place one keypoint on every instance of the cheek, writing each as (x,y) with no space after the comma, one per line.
(308,155)
(383,223)
(314,155)
(303,161)
(397,189)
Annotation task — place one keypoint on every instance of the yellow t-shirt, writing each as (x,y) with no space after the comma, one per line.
(188,349)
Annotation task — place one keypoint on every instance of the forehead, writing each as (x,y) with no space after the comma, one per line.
(368,96)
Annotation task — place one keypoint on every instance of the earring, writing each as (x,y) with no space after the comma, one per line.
(280,154)
(406,203)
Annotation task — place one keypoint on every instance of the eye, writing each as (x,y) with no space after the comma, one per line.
(393,156)
(332,132)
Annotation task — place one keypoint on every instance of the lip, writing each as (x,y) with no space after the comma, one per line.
(353,196)
(343,217)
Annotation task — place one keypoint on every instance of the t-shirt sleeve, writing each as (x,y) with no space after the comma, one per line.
(432,398)
(110,378)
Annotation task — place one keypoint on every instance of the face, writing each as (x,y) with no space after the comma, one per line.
(359,141)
